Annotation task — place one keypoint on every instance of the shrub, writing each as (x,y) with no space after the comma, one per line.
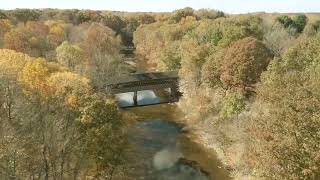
(3,15)
(25,15)
(286,21)
(182,13)
(211,70)
(316,25)
(209,14)
(171,57)
(233,104)
(70,56)
(277,39)
(300,22)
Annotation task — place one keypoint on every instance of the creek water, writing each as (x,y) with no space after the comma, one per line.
(161,149)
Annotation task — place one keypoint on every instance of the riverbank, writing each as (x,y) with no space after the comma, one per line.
(224,140)
(195,151)
(198,140)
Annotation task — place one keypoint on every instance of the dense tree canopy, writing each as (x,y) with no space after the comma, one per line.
(286,21)
(3,15)
(24,15)
(182,13)
(244,62)
(114,22)
(70,56)
(57,122)
(298,22)
(285,134)
(66,122)
(208,14)
(220,62)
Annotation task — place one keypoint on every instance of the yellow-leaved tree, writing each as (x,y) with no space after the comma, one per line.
(56,126)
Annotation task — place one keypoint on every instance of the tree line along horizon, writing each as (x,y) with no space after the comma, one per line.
(256,72)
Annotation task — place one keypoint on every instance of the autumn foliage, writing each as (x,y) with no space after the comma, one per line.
(250,85)
(250,81)
(285,129)
(67,116)
(243,63)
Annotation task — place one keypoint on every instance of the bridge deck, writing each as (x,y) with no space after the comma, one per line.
(146,81)
(145,77)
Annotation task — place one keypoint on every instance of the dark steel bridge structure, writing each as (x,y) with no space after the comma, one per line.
(146,81)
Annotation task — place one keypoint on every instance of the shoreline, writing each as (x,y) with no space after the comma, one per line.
(192,143)
(200,134)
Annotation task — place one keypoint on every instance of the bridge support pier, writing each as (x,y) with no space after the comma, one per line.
(174,96)
(135,98)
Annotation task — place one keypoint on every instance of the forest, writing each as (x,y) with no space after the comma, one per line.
(250,84)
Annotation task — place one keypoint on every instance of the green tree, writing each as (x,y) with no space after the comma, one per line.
(146,19)
(114,22)
(3,15)
(86,16)
(224,31)
(159,42)
(24,15)
(182,13)
(286,21)
(300,22)
(71,56)
(233,104)
(83,16)
(316,25)
(171,57)
(209,14)
(211,70)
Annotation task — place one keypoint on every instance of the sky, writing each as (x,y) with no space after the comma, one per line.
(228,6)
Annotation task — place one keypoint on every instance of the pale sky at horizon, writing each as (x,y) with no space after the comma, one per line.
(228,6)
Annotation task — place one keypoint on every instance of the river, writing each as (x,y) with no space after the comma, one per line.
(161,147)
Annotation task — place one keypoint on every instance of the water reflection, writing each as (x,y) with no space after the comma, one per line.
(166,158)
(144,98)
(160,150)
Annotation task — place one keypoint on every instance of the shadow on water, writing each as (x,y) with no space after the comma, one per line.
(160,150)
